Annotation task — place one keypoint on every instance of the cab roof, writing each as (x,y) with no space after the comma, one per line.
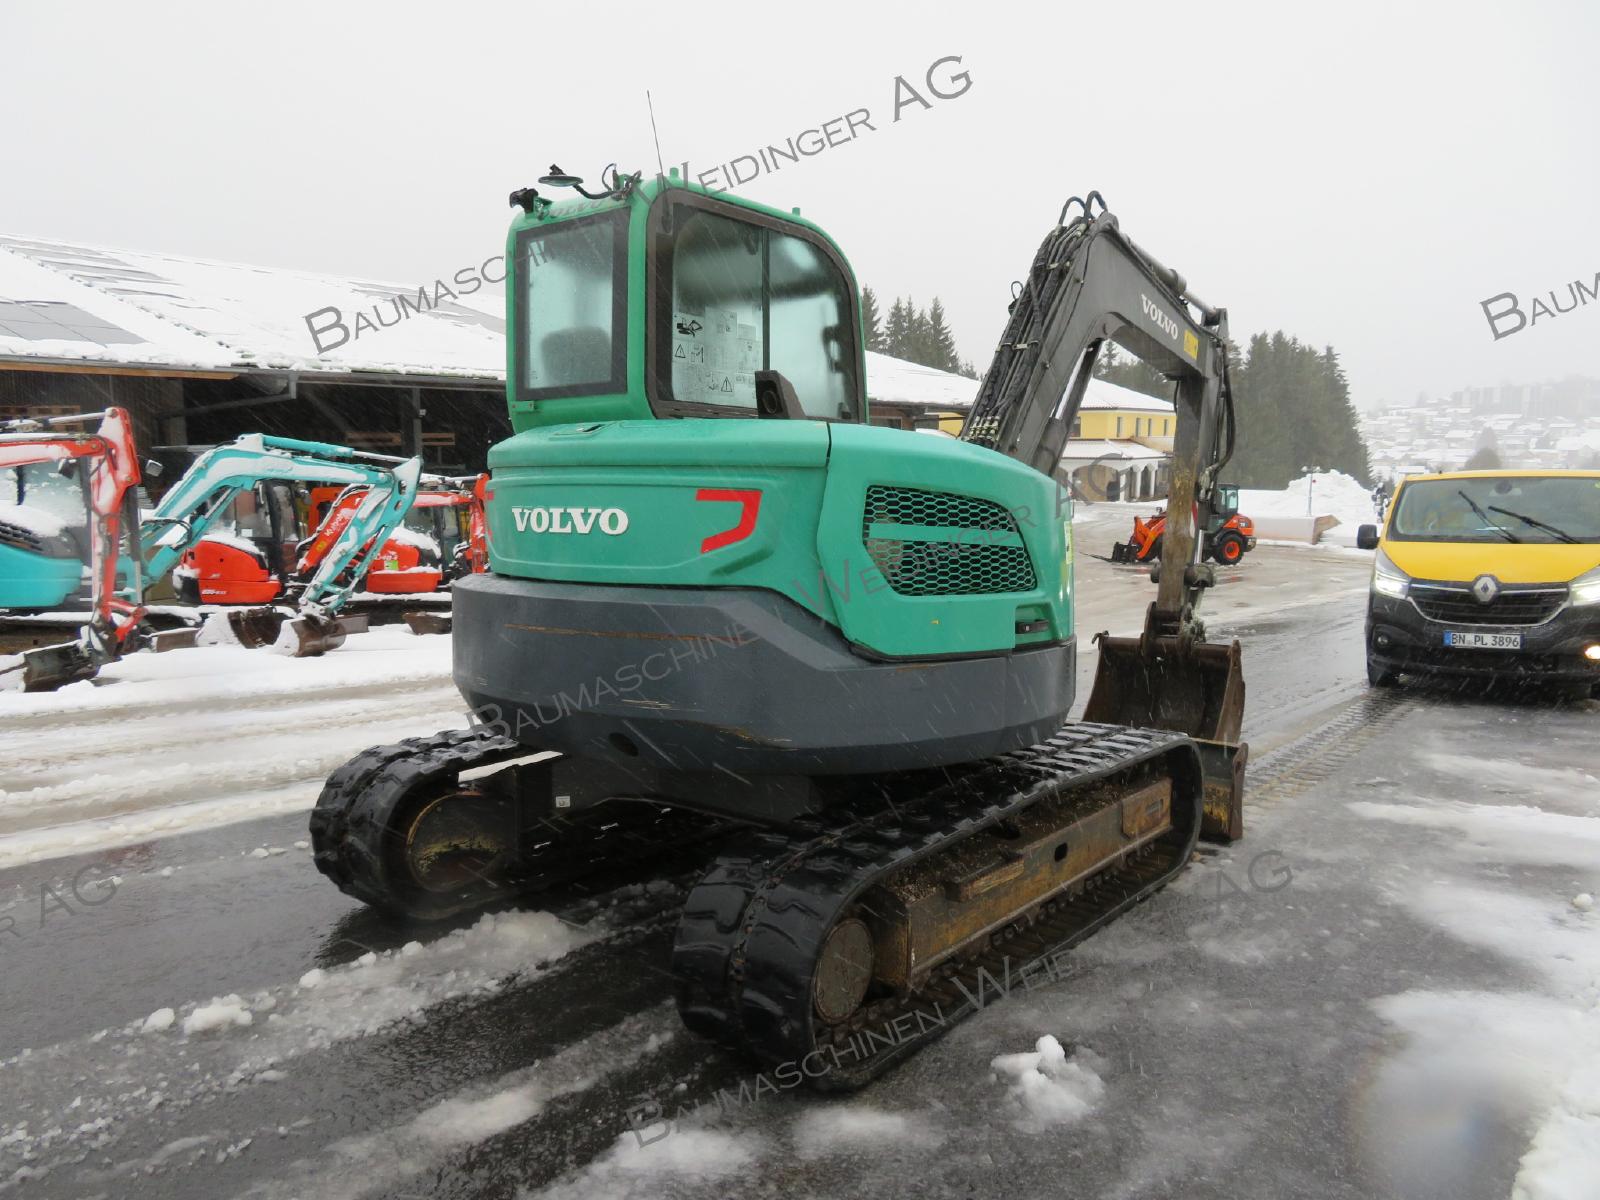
(1571,474)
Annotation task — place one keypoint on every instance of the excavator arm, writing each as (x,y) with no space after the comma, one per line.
(1090,283)
(203,494)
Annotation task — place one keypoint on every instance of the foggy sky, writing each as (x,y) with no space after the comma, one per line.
(1357,175)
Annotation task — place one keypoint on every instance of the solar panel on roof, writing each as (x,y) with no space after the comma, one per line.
(54,320)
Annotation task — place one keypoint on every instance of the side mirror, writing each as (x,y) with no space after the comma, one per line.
(775,397)
(1367,537)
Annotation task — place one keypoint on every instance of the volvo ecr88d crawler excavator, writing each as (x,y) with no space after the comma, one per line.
(723,610)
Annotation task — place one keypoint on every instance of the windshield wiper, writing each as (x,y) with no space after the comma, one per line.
(1487,519)
(1533,523)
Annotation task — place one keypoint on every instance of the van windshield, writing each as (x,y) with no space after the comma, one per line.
(1508,508)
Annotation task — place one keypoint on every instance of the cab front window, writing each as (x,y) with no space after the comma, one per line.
(739,296)
(1540,509)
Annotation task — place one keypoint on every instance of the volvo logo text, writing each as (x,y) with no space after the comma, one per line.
(570,520)
(1168,325)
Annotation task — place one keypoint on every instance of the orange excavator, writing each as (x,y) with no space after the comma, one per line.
(442,539)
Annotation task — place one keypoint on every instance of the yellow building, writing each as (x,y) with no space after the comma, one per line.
(1121,445)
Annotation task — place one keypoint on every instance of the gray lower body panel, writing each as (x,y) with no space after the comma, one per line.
(732,680)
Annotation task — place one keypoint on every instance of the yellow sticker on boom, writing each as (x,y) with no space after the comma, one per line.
(1191,344)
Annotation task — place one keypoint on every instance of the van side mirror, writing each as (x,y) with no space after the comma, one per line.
(1367,537)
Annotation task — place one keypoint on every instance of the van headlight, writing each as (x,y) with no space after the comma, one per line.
(1586,588)
(1388,579)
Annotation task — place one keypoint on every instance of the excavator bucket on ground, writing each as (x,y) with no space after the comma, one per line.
(313,634)
(1195,688)
(46,668)
(428,622)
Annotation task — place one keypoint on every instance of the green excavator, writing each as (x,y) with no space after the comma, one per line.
(726,613)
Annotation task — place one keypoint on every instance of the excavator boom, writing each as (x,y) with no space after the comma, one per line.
(1089,284)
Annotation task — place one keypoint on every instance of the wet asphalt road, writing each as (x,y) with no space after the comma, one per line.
(1232,1023)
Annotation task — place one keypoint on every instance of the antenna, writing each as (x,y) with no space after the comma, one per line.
(661,169)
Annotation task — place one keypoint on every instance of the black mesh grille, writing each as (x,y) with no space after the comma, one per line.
(19,538)
(1450,606)
(939,544)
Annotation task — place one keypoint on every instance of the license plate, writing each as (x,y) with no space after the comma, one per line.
(1460,640)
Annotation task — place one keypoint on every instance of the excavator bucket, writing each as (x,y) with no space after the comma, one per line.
(314,635)
(311,634)
(47,668)
(254,628)
(1197,690)
(428,622)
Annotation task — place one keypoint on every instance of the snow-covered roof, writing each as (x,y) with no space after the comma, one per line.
(1089,449)
(67,300)
(64,300)
(1103,394)
(895,381)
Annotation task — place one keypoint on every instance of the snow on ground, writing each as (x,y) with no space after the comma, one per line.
(160,744)
(1534,1047)
(190,1050)
(208,676)
(1326,493)
(631,1171)
(859,1129)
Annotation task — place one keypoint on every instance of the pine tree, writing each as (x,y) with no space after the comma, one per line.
(942,343)
(1292,410)
(870,323)
(1130,372)
(895,330)
(919,337)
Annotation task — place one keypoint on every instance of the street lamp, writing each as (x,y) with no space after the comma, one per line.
(1311,483)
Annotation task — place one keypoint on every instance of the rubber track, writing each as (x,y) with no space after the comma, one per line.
(353,813)
(752,929)
(358,806)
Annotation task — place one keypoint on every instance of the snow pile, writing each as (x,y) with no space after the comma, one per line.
(224,1012)
(1050,1088)
(1330,493)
